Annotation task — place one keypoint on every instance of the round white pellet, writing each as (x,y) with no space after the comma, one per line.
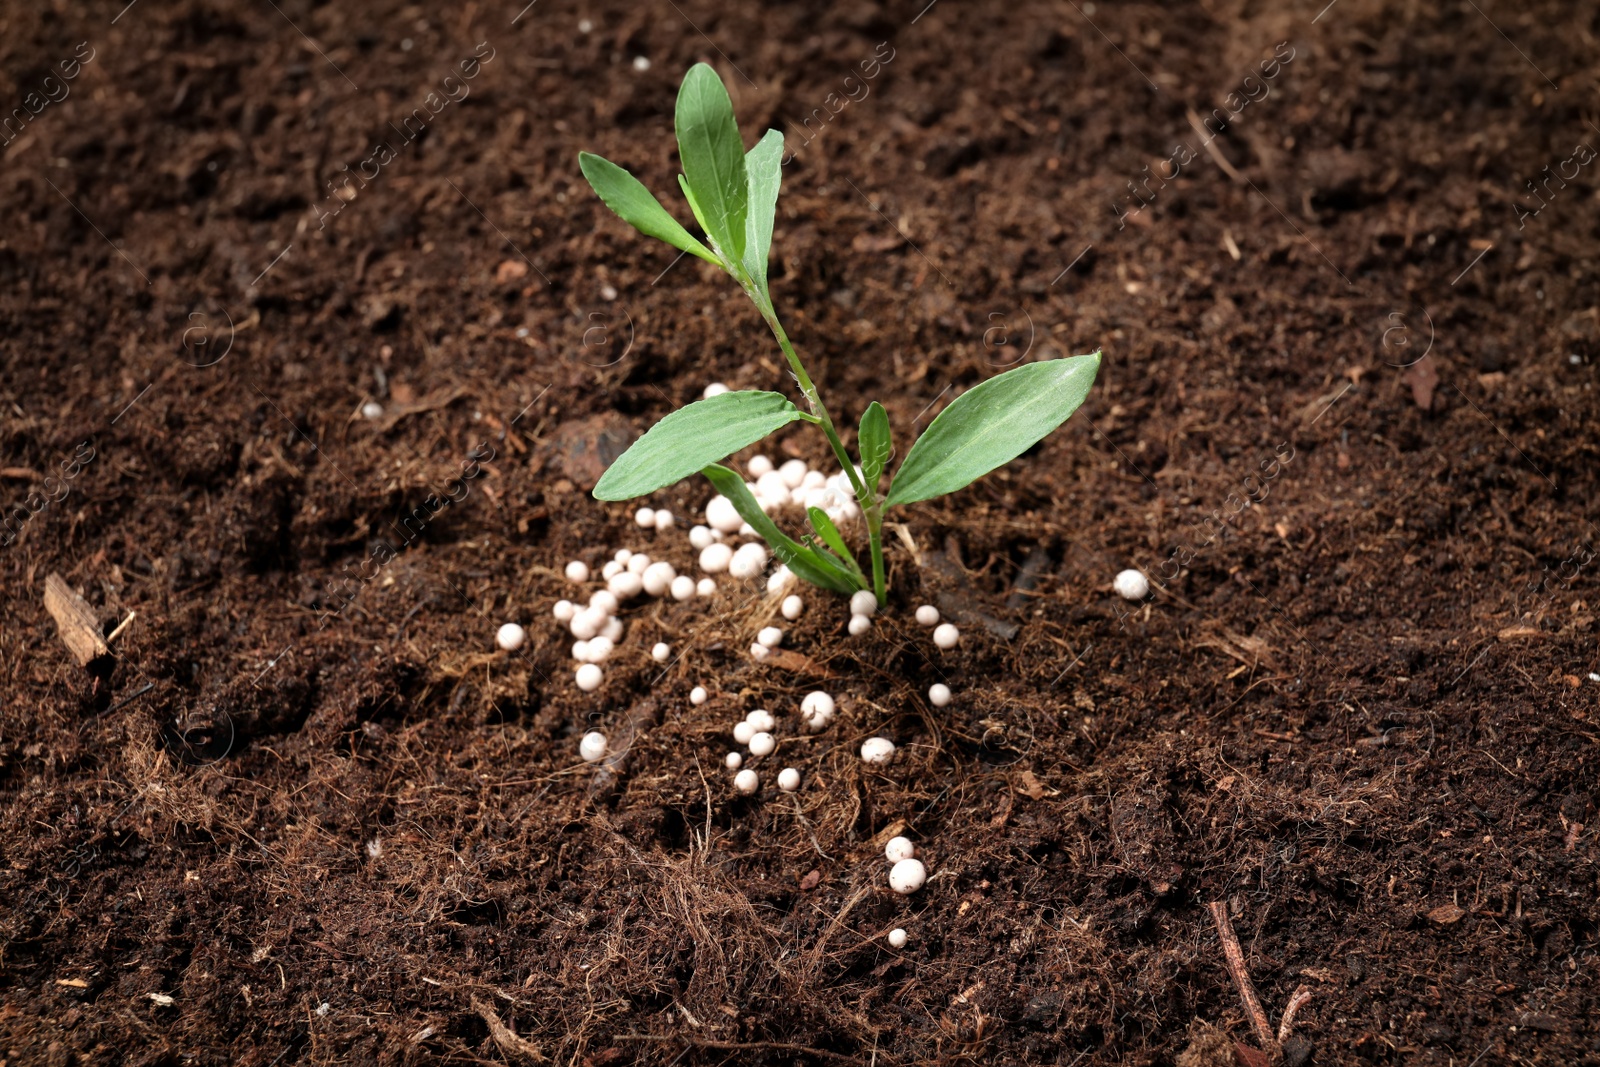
(658,578)
(780,579)
(639,563)
(927,615)
(813,480)
(761,719)
(715,388)
(589,677)
(645,518)
(587,623)
(758,466)
(722,515)
(759,652)
(600,649)
(939,694)
(763,744)
(746,564)
(863,602)
(700,537)
(612,630)
(664,519)
(877,751)
(771,636)
(792,607)
(564,610)
(788,779)
(510,636)
(743,732)
(623,555)
(770,486)
(793,472)
(605,600)
(697,695)
(734,761)
(907,876)
(593,746)
(372,410)
(859,624)
(899,848)
(580,651)
(1132,585)
(714,559)
(612,568)
(682,587)
(798,496)
(577,571)
(946,635)
(897,938)
(641,63)
(626,585)
(705,587)
(661,652)
(747,781)
(817,703)
(819,498)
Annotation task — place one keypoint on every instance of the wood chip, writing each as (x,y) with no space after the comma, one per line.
(1445,914)
(798,663)
(75,621)
(1035,789)
(1423,378)
(1518,633)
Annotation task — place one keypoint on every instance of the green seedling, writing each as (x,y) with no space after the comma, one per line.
(733,195)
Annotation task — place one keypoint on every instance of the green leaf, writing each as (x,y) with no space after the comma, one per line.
(694,208)
(808,564)
(874,444)
(633,203)
(992,424)
(713,158)
(831,537)
(691,437)
(764,166)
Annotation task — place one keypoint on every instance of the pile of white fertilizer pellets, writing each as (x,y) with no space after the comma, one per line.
(597,626)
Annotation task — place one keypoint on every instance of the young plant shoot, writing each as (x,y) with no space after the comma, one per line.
(733,196)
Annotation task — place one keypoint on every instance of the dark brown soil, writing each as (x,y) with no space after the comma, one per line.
(283,828)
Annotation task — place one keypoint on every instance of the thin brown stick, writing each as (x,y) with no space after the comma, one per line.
(1208,142)
(1241,978)
(1296,1002)
(510,1042)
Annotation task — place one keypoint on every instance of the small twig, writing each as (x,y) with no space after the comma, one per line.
(1241,978)
(509,1040)
(1296,1002)
(1208,142)
(121,626)
(141,691)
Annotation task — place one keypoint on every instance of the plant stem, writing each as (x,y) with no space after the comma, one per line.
(874,516)
(871,505)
